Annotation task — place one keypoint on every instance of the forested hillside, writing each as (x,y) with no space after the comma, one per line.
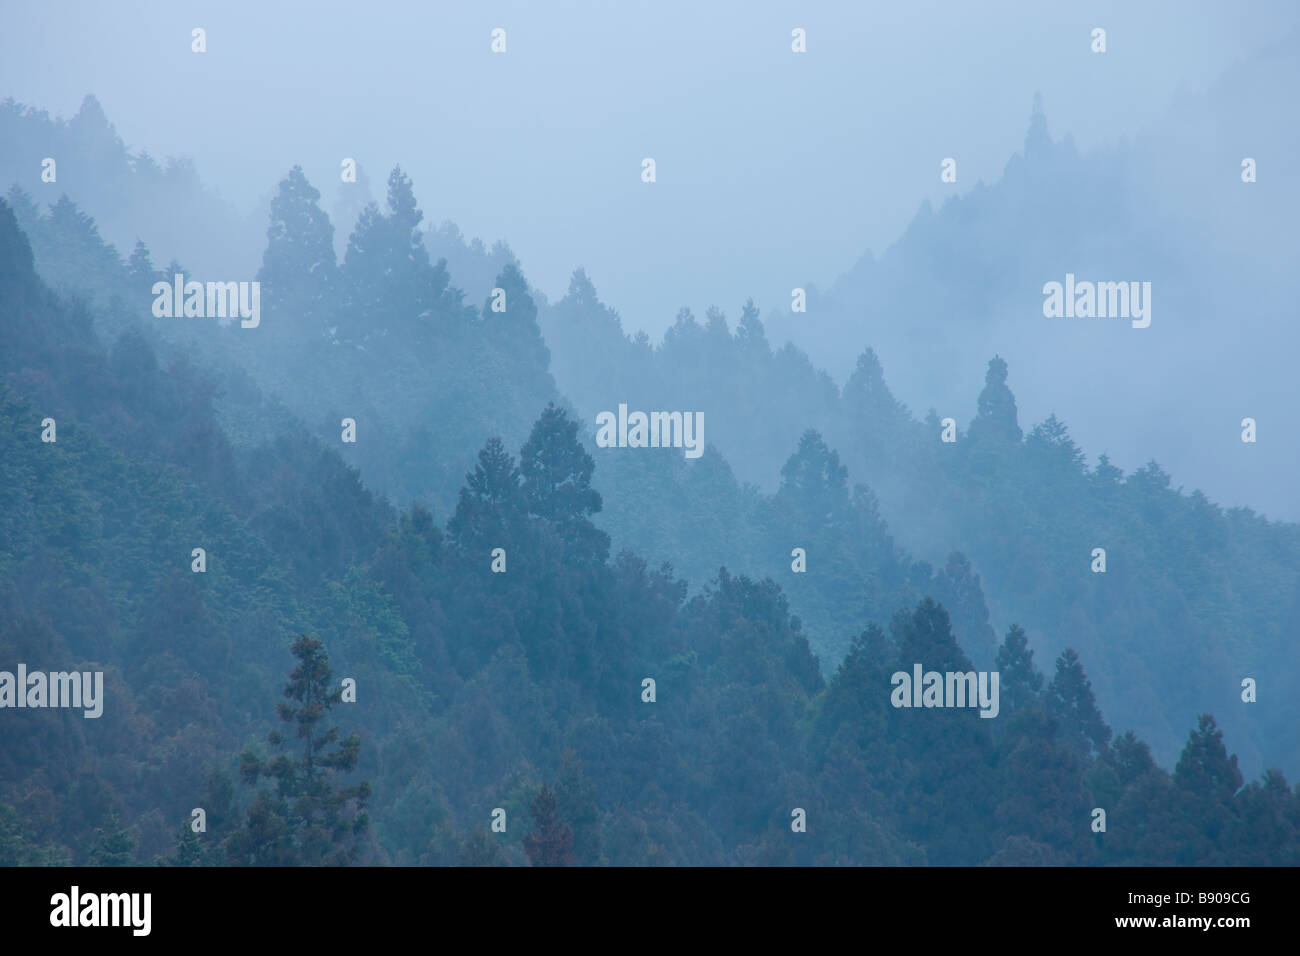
(500,646)
(499,587)
(1011,514)
(998,526)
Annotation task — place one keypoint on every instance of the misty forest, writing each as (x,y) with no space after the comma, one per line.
(365,588)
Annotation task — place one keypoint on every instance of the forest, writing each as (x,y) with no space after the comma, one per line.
(431,645)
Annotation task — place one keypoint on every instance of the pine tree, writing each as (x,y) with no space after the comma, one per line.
(404,212)
(113,845)
(492,503)
(925,636)
(1070,700)
(550,843)
(958,587)
(1105,480)
(267,836)
(1131,758)
(299,265)
(140,268)
(814,485)
(996,419)
(1021,685)
(310,821)
(581,292)
(516,328)
(750,335)
(868,395)
(25,209)
(1050,441)
(408,267)
(557,472)
(189,847)
(349,201)
(389,283)
(17,262)
(950,793)
(74,238)
(717,332)
(1206,779)
(1205,767)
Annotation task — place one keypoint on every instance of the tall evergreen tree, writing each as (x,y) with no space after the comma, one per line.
(557,472)
(814,484)
(350,200)
(996,419)
(958,588)
(113,845)
(1205,767)
(310,820)
(140,267)
(1070,700)
(388,280)
(24,207)
(1051,444)
(492,502)
(516,327)
(299,264)
(550,842)
(751,339)
(1021,685)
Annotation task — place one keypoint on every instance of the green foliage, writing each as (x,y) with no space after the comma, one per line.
(309,820)
(113,845)
(550,842)
(478,684)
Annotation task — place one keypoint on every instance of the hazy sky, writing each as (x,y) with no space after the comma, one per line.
(774,169)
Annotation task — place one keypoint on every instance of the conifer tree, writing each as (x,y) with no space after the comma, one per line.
(140,268)
(350,199)
(557,472)
(868,395)
(1205,767)
(24,208)
(492,502)
(189,847)
(516,328)
(1050,441)
(1070,700)
(389,282)
(750,336)
(298,266)
(959,589)
(996,419)
(1021,685)
(550,843)
(814,484)
(310,820)
(113,845)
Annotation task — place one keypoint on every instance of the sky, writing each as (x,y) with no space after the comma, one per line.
(774,169)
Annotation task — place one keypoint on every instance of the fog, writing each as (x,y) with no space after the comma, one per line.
(773,170)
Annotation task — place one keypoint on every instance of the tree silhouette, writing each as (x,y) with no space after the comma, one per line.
(309,820)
